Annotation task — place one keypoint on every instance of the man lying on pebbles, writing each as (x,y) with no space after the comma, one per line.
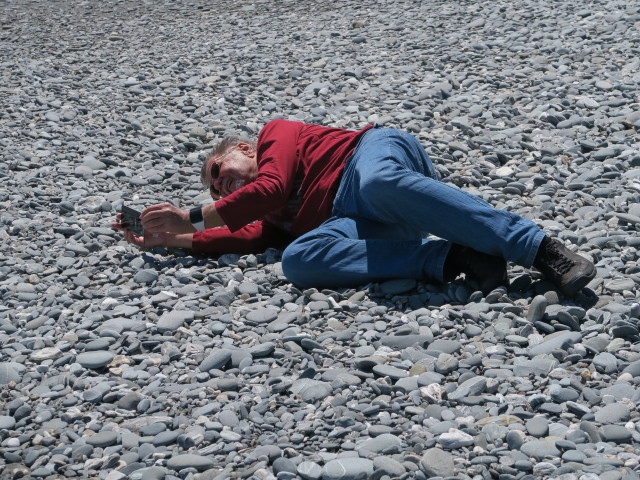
(353,207)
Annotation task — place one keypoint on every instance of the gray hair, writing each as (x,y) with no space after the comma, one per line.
(221,148)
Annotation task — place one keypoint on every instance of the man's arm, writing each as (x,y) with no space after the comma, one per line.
(253,238)
(212,218)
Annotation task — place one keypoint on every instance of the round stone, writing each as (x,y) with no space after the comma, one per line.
(95,359)
(262,315)
(538,426)
(103,439)
(7,422)
(437,463)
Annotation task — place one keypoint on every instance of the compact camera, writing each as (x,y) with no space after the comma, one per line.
(131,220)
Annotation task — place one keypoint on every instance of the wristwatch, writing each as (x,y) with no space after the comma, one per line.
(196,218)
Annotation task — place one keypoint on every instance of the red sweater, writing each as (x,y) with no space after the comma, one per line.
(299,171)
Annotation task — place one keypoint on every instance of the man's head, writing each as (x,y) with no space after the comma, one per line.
(231,165)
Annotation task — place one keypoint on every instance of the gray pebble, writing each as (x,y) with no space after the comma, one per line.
(435,462)
(95,359)
(171,321)
(347,469)
(7,422)
(538,426)
(103,439)
(309,470)
(216,360)
(146,276)
(613,413)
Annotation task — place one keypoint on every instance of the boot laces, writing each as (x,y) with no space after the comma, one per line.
(559,261)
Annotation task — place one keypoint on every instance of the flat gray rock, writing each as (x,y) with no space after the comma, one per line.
(539,449)
(171,321)
(613,413)
(311,391)
(559,340)
(616,434)
(389,371)
(123,324)
(435,462)
(347,469)
(95,359)
(472,386)
(7,422)
(309,470)
(262,315)
(385,442)
(103,439)
(146,277)
(216,360)
(619,285)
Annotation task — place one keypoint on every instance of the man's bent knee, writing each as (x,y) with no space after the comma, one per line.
(295,266)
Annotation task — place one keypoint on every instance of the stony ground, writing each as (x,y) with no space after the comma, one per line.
(117,363)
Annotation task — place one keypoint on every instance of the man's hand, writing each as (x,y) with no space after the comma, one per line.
(149,240)
(164,217)
(163,239)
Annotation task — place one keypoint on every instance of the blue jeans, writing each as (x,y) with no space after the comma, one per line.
(389,199)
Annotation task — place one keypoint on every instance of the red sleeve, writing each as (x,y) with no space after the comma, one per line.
(270,191)
(253,238)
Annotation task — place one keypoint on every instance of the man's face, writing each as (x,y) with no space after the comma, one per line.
(232,170)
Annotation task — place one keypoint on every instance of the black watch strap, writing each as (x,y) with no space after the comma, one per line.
(196,218)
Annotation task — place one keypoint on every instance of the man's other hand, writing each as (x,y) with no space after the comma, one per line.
(165,217)
(149,240)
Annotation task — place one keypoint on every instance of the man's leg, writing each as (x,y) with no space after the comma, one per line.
(390,179)
(354,251)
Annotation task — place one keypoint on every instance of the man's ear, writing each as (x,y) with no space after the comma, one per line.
(246,149)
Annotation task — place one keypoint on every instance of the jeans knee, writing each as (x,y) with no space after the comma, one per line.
(293,265)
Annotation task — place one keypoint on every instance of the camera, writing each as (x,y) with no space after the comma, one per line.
(131,220)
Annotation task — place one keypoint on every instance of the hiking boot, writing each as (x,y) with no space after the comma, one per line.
(488,271)
(567,270)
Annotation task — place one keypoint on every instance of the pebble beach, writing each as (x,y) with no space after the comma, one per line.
(118,363)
